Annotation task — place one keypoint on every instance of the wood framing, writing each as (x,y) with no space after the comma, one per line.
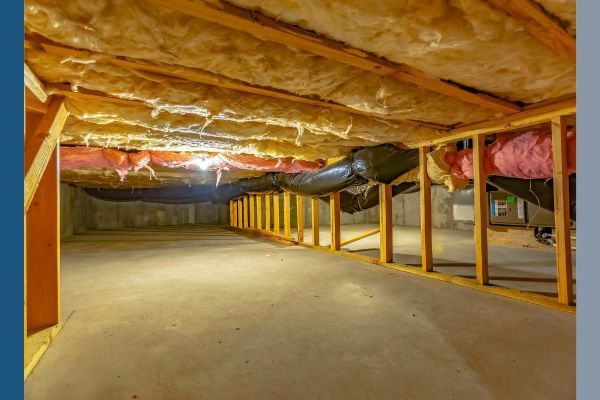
(34,85)
(267,212)
(240,213)
(360,236)
(531,16)
(287,214)
(314,213)
(334,220)
(231,217)
(425,211)
(562,218)
(251,211)
(245,208)
(480,203)
(269,29)
(192,75)
(386,241)
(40,145)
(259,212)
(536,114)
(300,217)
(276,224)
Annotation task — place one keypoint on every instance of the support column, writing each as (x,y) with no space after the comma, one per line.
(251,211)
(386,242)
(481,245)
(562,217)
(314,208)
(287,214)
(230,214)
(268,212)
(245,208)
(259,212)
(334,212)
(300,217)
(425,203)
(240,214)
(276,226)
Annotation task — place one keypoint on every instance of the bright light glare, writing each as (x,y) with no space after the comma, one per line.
(202,163)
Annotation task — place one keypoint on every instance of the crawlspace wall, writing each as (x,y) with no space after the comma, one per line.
(73,210)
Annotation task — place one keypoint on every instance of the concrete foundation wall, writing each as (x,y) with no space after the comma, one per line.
(73,211)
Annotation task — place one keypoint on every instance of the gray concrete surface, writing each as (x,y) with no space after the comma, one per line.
(202,313)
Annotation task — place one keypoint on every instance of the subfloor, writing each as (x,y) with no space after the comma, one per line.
(200,312)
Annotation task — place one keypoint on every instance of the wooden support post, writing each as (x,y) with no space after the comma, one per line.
(481,245)
(334,213)
(245,207)
(562,217)
(276,225)
(425,203)
(251,211)
(43,251)
(287,214)
(267,212)
(386,242)
(230,213)
(314,208)
(240,214)
(300,217)
(259,217)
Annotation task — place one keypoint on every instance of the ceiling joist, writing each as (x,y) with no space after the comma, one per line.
(34,85)
(266,28)
(534,20)
(205,78)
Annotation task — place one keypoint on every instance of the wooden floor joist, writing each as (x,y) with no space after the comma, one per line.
(531,16)
(34,85)
(334,220)
(425,211)
(480,203)
(300,217)
(562,219)
(314,210)
(266,28)
(386,239)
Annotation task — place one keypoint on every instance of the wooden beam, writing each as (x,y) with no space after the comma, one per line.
(230,213)
(360,237)
(40,145)
(386,241)
(531,16)
(287,215)
(531,116)
(334,220)
(268,29)
(34,85)
(194,75)
(481,246)
(33,104)
(259,212)
(251,211)
(267,212)
(245,207)
(425,209)
(43,251)
(240,213)
(562,219)
(300,217)
(314,209)
(276,225)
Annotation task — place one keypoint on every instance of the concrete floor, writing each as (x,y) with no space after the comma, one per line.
(203,313)
(523,268)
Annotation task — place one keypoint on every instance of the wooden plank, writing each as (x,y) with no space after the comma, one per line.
(259,212)
(287,214)
(425,209)
(34,85)
(360,236)
(334,220)
(562,218)
(386,242)
(267,212)
(266,28)
(531,116)
(33,104)
(198,76)
(314,209)
(276,225)
(240,213)
(300,217)
(245,207)
(251,211)
(43,251)
(40,145)
(480,203)
(531,16)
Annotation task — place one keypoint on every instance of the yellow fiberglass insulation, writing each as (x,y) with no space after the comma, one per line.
(138,29)
(564,10)
(217,106)
(466,41)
